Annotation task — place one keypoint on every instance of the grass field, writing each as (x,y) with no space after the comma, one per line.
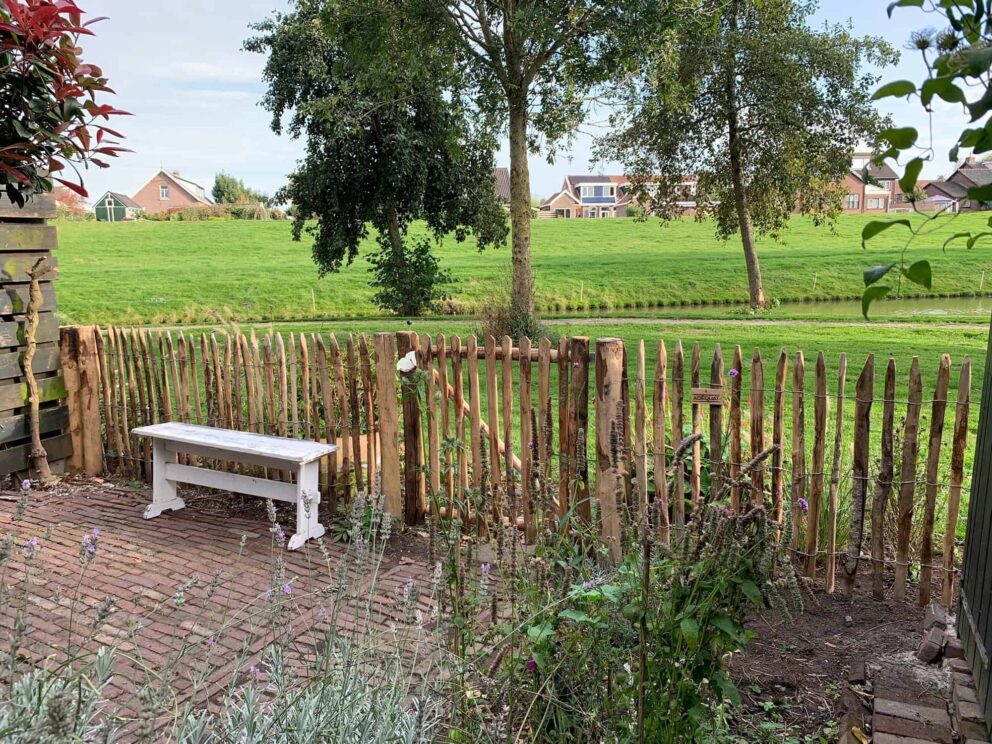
(181,272)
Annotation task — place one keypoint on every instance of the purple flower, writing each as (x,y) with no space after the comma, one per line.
(26,484)
(268,593)
(32,545)
(321,613)
(287,589)
(210,642)
(531,664)
(587,585)
(253,672)
(804,505)
(734,372)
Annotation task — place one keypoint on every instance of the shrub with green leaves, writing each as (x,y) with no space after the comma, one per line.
(644,646)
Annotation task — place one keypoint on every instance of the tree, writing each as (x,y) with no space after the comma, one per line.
(389,139)
(958,61)
(50,117)
(230,190)
(761,109)
(532,65)
(70,205)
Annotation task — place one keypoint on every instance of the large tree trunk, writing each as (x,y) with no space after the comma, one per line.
(393,223)
(522,293)
(755,288)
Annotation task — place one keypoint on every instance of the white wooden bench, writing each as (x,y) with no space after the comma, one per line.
(302,458)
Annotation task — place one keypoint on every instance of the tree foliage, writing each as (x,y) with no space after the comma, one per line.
(50,117)
(747,110)
(230,190)
(958,60)
(389,137)
(533,67)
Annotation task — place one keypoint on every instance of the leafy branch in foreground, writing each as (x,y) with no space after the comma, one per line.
(958,60)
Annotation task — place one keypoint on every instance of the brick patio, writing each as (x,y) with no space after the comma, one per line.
(225,621)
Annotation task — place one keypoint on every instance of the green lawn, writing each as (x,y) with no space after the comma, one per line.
(180,272)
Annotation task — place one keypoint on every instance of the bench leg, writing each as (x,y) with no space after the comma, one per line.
(307,500)
(163,490)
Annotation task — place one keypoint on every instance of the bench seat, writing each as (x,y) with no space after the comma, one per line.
(300,457)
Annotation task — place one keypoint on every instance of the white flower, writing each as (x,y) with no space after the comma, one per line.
(407,363)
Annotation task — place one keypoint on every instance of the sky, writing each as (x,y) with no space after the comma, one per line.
(179,68)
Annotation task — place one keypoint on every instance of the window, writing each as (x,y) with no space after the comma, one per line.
(853,201)
(875,204)
(163,191)
(967,204)
(613,190)
(605,213)
(563,213)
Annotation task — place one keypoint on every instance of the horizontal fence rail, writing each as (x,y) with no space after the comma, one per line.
(535,435)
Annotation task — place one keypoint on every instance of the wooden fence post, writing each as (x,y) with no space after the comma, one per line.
(937,411)
(798,446)
(863,393)
(816,479)
(660,442)
(640,439)
(831,574)
(883,484)
(736,375)
(716,423)
(778,437)
(609,403)
(678,433)
(81,370)
(907,478)
(578,427)
(389,436)
(958,444)
(527,440)
(756,403)
(414,498)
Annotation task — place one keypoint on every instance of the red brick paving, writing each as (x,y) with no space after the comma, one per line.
(142,565)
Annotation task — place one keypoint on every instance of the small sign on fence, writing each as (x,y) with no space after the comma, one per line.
(707,396)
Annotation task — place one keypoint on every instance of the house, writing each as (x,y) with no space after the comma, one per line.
(602,196)
(587,196)
(953,190)
(501,176)
(114,207)
(168,190)
(870,187)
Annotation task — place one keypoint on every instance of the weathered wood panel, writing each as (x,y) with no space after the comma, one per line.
(16,395)
(17,427)
(15,459)
(39,206)
(14,267)
(26,236)
(14,298)
(46,359)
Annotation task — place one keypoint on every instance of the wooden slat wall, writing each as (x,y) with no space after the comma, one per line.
(26,237)
(426,437)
